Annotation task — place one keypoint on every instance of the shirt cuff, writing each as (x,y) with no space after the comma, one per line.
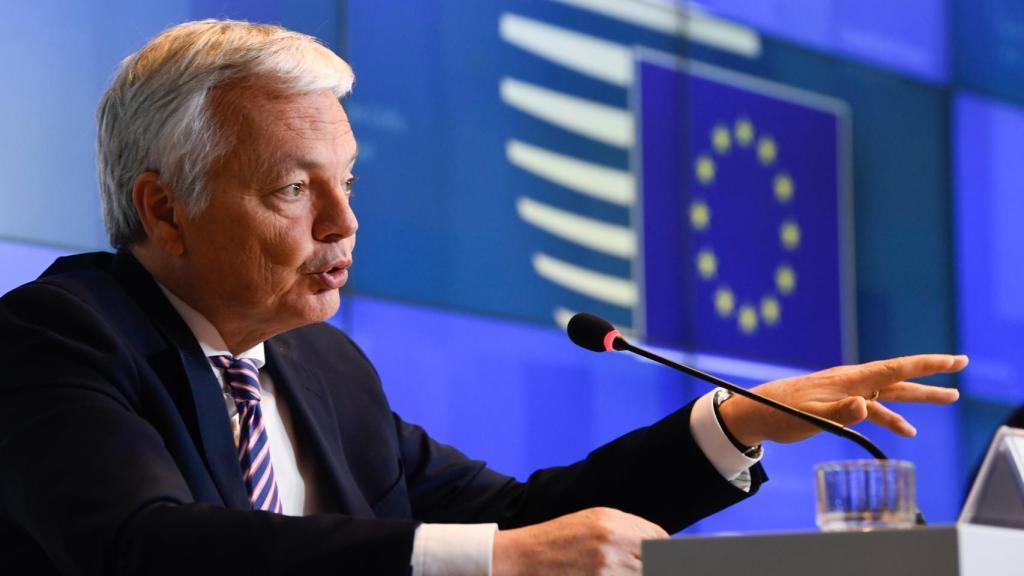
(453,549)
(732,464)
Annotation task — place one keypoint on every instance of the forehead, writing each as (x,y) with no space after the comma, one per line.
(271,132)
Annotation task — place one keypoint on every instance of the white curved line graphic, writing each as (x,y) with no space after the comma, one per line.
(599,286)
(562,316)
(594,180)
(588,55)
(606,124)
(597,235)
(674,21)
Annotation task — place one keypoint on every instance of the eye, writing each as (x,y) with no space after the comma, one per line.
(350,183)
(293,190)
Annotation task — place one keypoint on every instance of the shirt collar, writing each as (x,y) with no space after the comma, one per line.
(209,338)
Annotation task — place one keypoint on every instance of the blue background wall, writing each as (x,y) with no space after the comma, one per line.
(933,93)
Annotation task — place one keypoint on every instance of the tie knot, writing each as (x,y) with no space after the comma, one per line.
(242,377)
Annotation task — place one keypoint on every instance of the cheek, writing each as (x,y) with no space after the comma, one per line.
(286,245)
(262,253)
(280,253)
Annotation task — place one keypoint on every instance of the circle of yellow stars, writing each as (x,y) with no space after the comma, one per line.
(749,315)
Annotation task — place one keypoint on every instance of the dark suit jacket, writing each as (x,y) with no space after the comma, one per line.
(117,455)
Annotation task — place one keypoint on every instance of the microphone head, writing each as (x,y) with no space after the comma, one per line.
(592,332)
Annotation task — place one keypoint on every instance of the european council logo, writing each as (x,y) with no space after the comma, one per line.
(736,193)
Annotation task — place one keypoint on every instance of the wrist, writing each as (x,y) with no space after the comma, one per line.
(507,557)
(736,416)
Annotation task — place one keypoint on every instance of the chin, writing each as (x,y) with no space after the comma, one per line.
(309,309)
(325,304)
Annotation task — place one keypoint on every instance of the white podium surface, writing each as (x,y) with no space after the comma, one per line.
(963,550)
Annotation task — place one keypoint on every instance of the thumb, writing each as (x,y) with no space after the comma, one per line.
(850,410)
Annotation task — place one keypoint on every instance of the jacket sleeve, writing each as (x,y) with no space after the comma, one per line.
(91,483)
(657,472)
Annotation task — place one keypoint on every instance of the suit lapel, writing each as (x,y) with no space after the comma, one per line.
(310,403)
(211,422)
(214,428)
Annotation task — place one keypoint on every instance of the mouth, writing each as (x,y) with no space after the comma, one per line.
(334,276)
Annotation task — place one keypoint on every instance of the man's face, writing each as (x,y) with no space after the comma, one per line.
(275,242)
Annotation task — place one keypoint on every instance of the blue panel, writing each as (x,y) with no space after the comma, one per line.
(55,88)
(21,263)
(665,247)
(988,42)
(990,262)
(908,36)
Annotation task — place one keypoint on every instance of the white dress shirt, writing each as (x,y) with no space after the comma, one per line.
(438,549)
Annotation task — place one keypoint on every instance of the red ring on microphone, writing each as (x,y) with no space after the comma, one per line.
(609,340)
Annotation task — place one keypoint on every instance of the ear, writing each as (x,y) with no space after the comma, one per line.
(159,213)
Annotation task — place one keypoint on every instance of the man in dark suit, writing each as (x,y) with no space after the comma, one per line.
(181,406)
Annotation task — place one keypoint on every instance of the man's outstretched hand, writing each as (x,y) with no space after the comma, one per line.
(844,394)
(596,541)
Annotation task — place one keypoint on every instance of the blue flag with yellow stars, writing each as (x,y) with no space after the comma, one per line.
(744,217)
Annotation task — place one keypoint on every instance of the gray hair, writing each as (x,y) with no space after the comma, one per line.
(156,115)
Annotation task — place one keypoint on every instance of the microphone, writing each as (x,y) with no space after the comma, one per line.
(597,334)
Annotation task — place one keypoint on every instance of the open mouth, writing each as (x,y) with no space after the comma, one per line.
(334,277)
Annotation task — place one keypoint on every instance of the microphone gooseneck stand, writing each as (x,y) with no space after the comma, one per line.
(596,334)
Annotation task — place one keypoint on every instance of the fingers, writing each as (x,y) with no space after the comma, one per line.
(881,373)
(883,416)
(624,534)
(847,411)
(855,409)
(654,532)
(632,526)
(842,395)
(912,392)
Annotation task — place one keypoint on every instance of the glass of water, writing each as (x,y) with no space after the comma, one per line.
(864,495)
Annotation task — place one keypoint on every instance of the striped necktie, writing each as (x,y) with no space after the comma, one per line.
(242,378)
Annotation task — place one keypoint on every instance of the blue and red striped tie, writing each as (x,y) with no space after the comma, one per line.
(243,380)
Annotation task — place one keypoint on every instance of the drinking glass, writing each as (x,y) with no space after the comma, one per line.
(864,495)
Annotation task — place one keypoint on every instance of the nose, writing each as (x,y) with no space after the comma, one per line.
(335,219)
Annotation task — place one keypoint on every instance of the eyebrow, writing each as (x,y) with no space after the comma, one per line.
(270,169)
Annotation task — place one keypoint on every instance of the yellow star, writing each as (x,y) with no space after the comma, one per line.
(783,187)
(785,279)
(789,235)
(771,310)
(766,150)
(720,139)
(705,169)
(707,264)
(724,302)
(700,216)
(744,132)
(747,319)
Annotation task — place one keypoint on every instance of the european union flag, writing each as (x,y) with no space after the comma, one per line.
(743,217)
